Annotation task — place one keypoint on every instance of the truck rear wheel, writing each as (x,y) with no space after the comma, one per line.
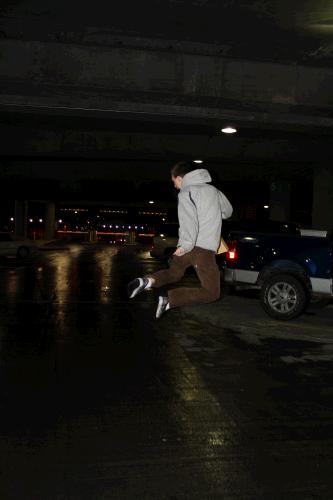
(283,297)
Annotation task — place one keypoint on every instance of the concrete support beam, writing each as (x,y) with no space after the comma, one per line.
(280,201)
(322,208)
(49,220)
(131,69)
(21,213)
(67,76)
(111,144)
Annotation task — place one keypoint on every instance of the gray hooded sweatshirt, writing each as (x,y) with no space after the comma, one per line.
(201,208)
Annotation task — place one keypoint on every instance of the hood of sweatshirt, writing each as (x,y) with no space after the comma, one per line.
(199,176)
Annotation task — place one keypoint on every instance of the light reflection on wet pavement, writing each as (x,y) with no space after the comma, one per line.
(101,401)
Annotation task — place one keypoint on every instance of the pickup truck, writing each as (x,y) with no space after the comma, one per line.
(166,237)
(289,270)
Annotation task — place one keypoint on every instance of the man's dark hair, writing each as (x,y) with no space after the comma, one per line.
(182,168)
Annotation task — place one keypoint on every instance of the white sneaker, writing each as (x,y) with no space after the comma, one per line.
(136,286)
(162,306)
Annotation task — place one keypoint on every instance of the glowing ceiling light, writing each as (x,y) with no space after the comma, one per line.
(228,130)
(266,206)
(197,161)
(151,202)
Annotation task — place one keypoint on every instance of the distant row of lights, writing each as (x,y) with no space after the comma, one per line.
(74,210)
(114,212)
(153,213)
(30,220)
(110,226)
(60,221)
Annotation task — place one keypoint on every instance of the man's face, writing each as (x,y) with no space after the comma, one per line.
(177,181)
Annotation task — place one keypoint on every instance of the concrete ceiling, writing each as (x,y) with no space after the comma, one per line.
(271,30)
(47,112)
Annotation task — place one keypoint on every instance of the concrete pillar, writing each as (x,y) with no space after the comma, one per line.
(92,236)
(132,237)
(279,201)
(322,207)
(21,213)
(49,220)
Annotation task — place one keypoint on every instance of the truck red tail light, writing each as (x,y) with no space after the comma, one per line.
(231,255)
(232,252)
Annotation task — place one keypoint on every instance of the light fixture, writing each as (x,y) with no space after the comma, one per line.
(151,202)
(266,206)
(228,130)
(197,161)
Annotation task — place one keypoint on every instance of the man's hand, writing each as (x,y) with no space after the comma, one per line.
(179,251)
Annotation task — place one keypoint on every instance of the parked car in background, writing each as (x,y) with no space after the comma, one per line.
(165,241)
(10,247)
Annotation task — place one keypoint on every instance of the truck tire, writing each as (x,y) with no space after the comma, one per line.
(283,297)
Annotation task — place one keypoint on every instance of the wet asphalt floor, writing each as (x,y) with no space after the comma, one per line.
(100,401)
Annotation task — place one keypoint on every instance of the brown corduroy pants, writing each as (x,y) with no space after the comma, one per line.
(204,263)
